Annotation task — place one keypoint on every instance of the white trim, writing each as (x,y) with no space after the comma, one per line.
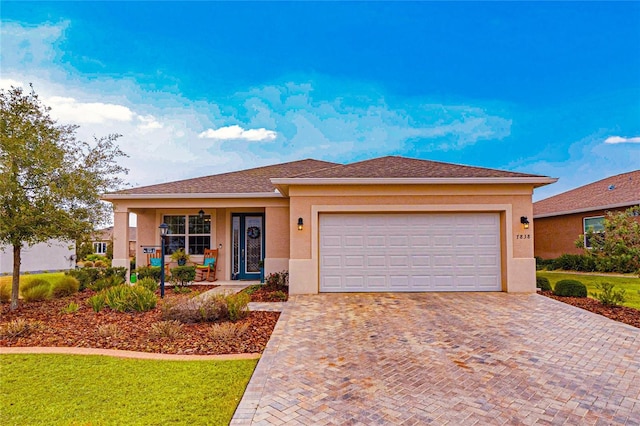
(584,229)
(113,196)
(587,209)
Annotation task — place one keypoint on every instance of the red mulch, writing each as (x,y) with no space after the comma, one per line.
(80,329)
(266,294)
(623,314)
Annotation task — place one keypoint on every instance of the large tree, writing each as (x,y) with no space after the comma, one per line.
(50,182)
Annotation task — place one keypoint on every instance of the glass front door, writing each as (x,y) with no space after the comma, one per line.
(248,245)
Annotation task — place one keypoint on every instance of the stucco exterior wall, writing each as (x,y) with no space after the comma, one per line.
(511,201)
(277,239)
(556,235)
(55,255)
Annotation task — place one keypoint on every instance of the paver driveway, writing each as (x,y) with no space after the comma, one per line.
(454,358)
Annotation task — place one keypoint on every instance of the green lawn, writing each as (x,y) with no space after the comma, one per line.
(630,283)
(98,390)
(50,276)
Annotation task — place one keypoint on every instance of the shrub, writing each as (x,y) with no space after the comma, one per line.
(237,305)
(197,309)
(227,331)
(277,280)
(574,262)
(570,288)
(181,275)
(148,283)
(19,328)
(609,296)
(5,292)
(99,264)
(543,283)
(108,331)
(65,286)
(96,302)
(97,257)
(279,295)
(106,282)
(31,283)
(70,308)
(152,272)
(116,271)
(126,298)
(252,288)
(37,293)
(166,329)
(87,264)
(85,276)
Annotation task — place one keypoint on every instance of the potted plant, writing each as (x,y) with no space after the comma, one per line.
(180,256)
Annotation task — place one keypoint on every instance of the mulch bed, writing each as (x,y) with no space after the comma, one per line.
(265,294)
(623,314)
(88,329)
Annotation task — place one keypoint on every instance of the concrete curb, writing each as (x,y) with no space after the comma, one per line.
(124,354)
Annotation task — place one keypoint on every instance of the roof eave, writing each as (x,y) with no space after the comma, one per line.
(587,209)
(117,196)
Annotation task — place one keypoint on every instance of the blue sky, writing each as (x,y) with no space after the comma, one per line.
(201,88)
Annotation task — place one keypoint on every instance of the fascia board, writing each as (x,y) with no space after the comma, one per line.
(587,209)
(113,196)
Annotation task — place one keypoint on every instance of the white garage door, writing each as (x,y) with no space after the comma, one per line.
(409,252)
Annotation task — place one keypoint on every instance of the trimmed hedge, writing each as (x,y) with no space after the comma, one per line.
(543,283)
(570,288)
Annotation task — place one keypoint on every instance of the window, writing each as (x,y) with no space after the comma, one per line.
(100,248)
(189,232)
(593,224)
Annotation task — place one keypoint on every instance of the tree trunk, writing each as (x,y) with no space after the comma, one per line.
(15,284)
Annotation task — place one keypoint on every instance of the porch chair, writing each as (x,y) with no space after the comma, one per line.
(208,265)
(155,259)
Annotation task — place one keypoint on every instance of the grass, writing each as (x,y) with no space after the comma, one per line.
(98,390)
(50,276)
(630,283)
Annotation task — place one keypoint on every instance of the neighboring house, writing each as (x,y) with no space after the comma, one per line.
(54,255)
(388,224)
(560,220)
(102,237)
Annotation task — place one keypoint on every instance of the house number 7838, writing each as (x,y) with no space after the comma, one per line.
(523,236)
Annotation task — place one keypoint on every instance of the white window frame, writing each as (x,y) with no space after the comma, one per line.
(100,248)
(186,235)
(585,230)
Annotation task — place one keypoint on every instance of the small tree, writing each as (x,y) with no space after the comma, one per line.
(617,249)
(50,183)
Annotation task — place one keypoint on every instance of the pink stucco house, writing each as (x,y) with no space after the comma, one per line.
(389,224)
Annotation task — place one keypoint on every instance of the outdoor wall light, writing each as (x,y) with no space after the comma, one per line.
(300,224)
(201,214)
(164,229)
(524,221)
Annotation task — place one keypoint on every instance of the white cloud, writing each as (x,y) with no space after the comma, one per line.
(236,132)
(149,122)
(70,110)
(620,139)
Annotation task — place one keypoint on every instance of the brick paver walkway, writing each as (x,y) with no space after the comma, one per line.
(458,359)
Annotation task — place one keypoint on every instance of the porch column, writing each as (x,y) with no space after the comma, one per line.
(121,239)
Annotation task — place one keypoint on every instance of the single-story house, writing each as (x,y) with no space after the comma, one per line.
(54,255)
(102,237)
(388,224)
(560,220)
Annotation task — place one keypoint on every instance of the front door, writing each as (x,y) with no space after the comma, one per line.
(248,245)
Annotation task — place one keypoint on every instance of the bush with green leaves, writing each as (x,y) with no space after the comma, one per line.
(33,282)
(197,309)
(237,305)
(65,286)
(570,288)
(277,280)
(574,262)
(106,282)
(88,276)
(152,272)
(70,308)
(126,298)
(608,296)
(96,302)
(182,275)
(97,257)
(148,283)
(99,264)
(543,283)
(87,264)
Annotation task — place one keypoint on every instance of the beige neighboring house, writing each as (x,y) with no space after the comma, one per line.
(54,255)
(389,224)
(102,237)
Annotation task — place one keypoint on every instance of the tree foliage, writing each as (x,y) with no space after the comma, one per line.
(617,249)
(50,183)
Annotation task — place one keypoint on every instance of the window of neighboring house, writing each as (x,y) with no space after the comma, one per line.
(189,232)
(100,248)
(593,224)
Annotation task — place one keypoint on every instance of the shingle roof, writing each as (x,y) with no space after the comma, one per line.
(615,191)
(403,167)
(243,181)
(106,233)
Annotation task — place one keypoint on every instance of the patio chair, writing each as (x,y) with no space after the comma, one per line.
(208,265)
(155,259)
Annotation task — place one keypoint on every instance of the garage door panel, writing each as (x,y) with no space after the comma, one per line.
(410,252)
